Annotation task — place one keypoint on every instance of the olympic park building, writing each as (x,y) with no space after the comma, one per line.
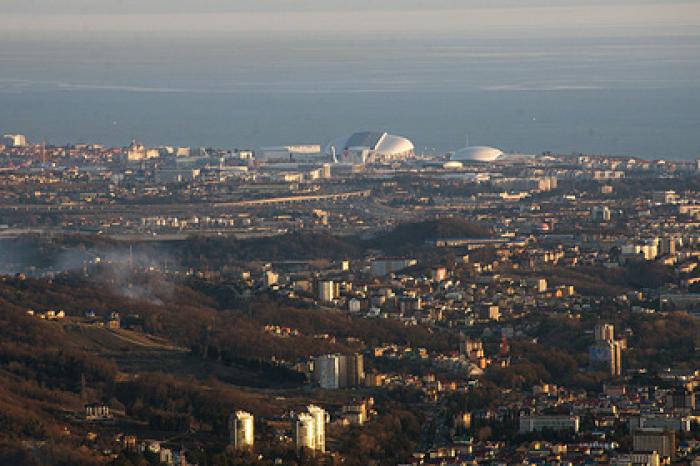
(477,154)
(369,146)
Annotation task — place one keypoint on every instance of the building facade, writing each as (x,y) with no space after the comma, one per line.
(548,422)
(241,429)
(310,429)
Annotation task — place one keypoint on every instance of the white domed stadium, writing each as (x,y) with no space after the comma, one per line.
(477,154)
(369,146)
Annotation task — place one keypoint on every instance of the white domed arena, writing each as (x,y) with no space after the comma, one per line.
(477,154)
(369,146)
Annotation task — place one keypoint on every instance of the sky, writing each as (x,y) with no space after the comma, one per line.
(29,17)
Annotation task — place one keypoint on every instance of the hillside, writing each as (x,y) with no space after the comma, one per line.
(407,236)
(172,375)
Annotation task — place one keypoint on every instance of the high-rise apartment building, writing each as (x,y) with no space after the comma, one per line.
(668,246)
(604,332)
(310,429)
(608,354)
(327,370)
(606,350)
(304,436)
(333,371)
(355,370)
(320,417)
(328,291)
(241,429)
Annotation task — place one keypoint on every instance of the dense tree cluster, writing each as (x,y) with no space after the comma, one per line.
(389,440)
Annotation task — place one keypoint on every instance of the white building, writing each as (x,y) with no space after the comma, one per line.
(177,175)
(368,147)
(97,411)
(477,154)
(271,278)
(14,140)
(648,251)
(137,152)
(288,152)
(538,423)
(333,371)
(326,171)
(541,285)
(182,152)
(304,432)
(660,421)
(327,291)
(604,332)
(354,305)
(636,459)
(664,197)
(661,441)
(601,213)
(241,429)
(385,266)
(320,419)
(310,429)
(329,371)
(608,354)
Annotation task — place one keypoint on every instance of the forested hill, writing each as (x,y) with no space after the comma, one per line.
(407,236)
(294,246)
